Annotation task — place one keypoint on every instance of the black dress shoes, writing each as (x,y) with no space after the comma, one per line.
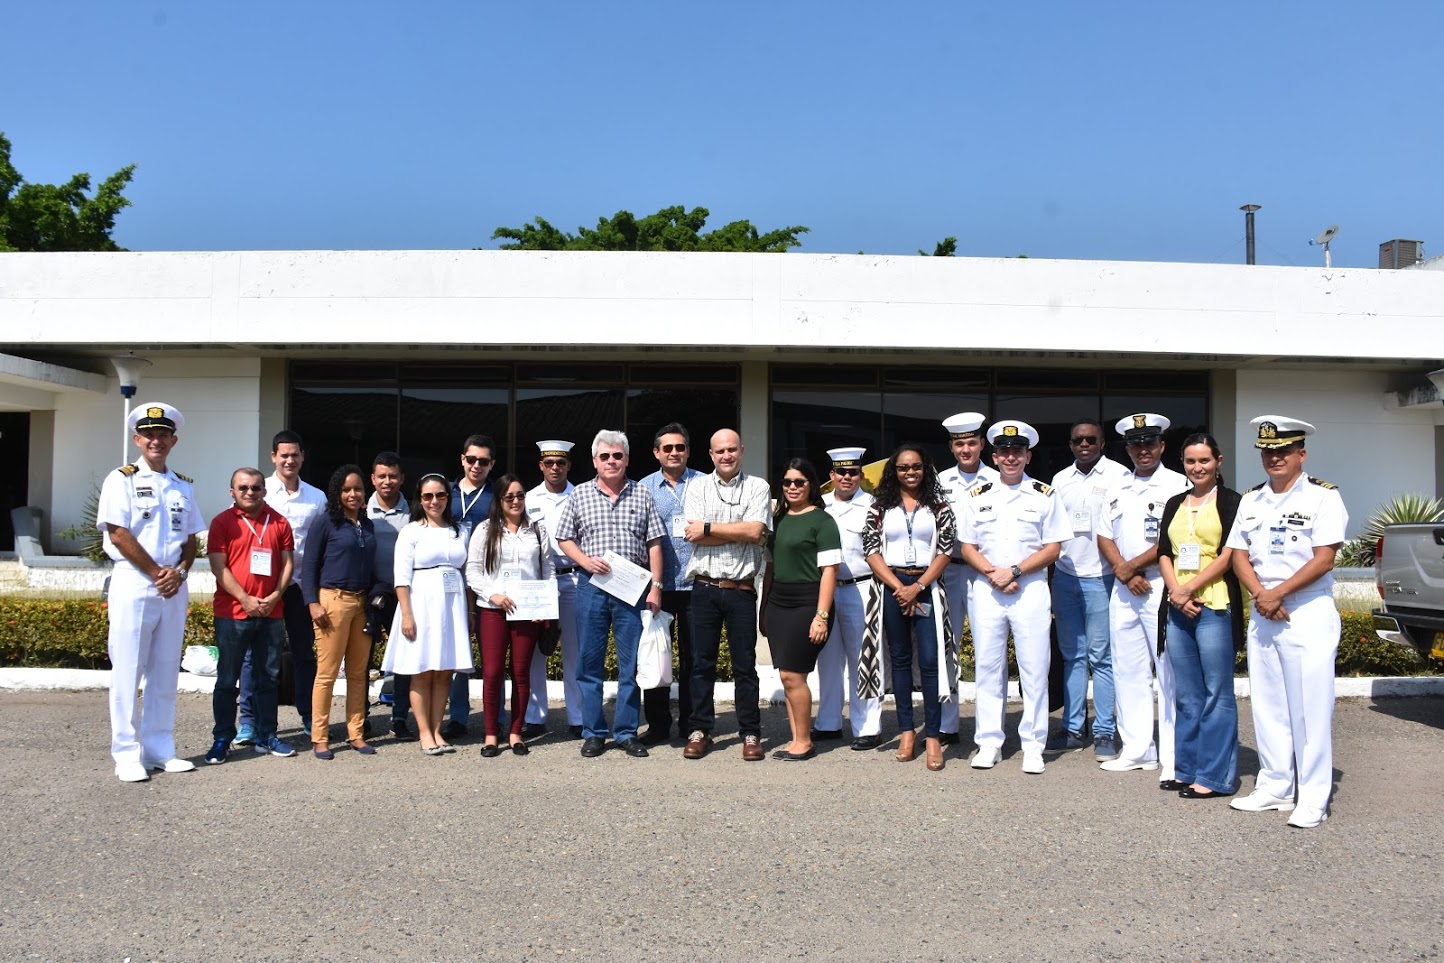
(593,747)
(576,731)
(490,752)
(533,729)
(632,747)
(655,735)
(1172,785)
(864,743)
(948,738)
(826,734)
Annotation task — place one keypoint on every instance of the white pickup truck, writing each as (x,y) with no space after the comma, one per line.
(1409,571)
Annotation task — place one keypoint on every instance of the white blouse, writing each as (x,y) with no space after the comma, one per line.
(524,553)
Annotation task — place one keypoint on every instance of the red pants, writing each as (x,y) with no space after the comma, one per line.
(497,636)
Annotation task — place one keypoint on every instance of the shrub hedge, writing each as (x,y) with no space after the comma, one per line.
(71,633)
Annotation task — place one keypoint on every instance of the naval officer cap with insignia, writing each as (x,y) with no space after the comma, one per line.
(155,415)
(1012,434)
(1143,428)
(1276,431)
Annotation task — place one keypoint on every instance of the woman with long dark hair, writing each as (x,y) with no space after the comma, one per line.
(1201,624)
(805,548)
(507,546)
(430,637)
(908,540)
(335,577)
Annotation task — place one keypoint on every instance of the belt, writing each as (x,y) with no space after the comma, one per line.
(568,570)
(909,571)
(854,581)
(725,583)
(345,592)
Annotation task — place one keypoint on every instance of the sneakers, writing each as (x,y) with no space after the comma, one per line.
(171,765)
(131,772)
(1033,762)
(274,747)
(1307,818)
(219,750)
(1065,741)
(451,729)
(245,736)
(987,757)
(1259,801)
(1105,747)
(1128,765)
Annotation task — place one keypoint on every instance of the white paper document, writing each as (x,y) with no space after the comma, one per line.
(534,598)
(625,581)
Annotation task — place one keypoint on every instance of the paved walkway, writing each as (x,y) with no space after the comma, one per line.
(849,857)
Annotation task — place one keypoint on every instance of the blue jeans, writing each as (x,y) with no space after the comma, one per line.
(901,631)
(598,612)
(261,641)
(712,608)
(1080,611)
(301,637)
(1205,734)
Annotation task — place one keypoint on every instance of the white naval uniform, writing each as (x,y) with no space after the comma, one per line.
(1291,663)
(542,504)
(839,656)
(1007,524)
(159,509)
(958,578)
(1131,516)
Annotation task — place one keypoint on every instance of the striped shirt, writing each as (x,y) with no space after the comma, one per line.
(598,525)
(746,498)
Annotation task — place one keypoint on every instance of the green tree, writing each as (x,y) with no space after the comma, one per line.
(58,217)
(947,247)
(670,229)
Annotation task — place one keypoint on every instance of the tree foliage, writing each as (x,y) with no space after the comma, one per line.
(58,217)
(670,229)
(947,247)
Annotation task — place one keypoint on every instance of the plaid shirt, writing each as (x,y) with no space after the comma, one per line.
(599,525)
(745,499)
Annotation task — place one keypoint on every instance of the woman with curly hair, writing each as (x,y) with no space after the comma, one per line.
(908,540)
(335,577)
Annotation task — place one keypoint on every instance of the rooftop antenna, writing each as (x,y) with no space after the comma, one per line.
(1325,236)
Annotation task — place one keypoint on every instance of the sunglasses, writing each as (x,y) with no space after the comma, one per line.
(434,496)
(793,482)
(1083,440)
(610,456)
(917,466)
(476,460)
(554,462)
(514,497)
(668,449)
(847,472)
(250,488)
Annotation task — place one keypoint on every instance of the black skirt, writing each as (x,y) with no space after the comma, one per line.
(791,607)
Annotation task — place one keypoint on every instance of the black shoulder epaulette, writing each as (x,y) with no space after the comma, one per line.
(128,470)
(982,488)
(1256,487)
(1323,484)
(185,478)
(1046,490)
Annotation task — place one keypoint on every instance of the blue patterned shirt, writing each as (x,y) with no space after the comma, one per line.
(671,501)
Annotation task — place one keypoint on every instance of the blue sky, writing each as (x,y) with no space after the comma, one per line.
(1109,131)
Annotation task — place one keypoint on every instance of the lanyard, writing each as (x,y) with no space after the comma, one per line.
(465,506)
(718,486)
(261,538)
(908,518)
(679,497)
(1194,510)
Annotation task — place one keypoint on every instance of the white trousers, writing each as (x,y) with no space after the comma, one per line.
(1133,624)
(1027,613)
(1291,687)
(838,659)
(536,703)
(957,580)
(145,650)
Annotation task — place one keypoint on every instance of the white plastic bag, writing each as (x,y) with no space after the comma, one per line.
(201,659)
(654,652)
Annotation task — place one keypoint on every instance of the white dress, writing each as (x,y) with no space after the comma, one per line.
(430,562)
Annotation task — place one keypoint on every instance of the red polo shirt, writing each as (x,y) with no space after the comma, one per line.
(235,534)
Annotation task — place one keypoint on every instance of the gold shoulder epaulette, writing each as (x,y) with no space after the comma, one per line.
(982,488)
(1256,487)
(1045,489)
(128,469)
(1323,484)
(185,478)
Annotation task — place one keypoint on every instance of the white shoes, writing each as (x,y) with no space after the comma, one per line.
(1032,762)
(131,772)
(987,757)
(1307,818)
(171,765)
(1259,801)
(1128,765)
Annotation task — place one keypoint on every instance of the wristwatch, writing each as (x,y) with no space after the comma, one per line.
(706,529)
(1017,573)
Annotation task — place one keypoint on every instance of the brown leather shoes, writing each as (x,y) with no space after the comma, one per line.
(907,746)
(934,752)
(752,749)
(699,744)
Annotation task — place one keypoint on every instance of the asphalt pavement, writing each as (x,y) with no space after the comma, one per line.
(850,856)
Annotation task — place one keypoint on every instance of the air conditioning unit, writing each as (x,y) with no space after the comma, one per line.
(1400,253)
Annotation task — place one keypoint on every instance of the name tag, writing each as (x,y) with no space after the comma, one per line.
(1276,540)
(261,562)
(679,526)
(1150,528)
(1082,522)
(911,555)
(1189,556)
(451,581)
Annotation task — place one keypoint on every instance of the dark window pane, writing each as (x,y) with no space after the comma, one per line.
(683,374)
(701,412)
(1051,416)
(1185,415)
(420,375)
(1156,382)
(807,375)
(369,373)
(553,373)
(917,417)
(807,423)
(341,425)
(436,421)
(1014,380)
(945,379)
(570,414)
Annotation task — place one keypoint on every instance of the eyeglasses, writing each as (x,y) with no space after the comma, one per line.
(668,449)
(793,482)
(434,496)
(1083,440)
(250,488)
(910,468)
(476,460)
(514,497)
(611,455)
(847,472)
(554,462)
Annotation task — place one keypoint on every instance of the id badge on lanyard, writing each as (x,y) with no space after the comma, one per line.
(1276,540)
(1082,522)
(451,581)
(261,562)
(679,526)
(1189,556)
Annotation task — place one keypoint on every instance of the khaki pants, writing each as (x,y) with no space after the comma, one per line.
(346,639)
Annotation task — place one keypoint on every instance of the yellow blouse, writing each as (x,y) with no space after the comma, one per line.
(1201,526)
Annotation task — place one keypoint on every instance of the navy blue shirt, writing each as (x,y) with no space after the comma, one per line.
(470,510)
(338,556)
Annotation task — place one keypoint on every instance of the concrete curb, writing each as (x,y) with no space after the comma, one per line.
(75,680)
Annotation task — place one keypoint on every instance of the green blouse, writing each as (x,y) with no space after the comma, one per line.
(802,545)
